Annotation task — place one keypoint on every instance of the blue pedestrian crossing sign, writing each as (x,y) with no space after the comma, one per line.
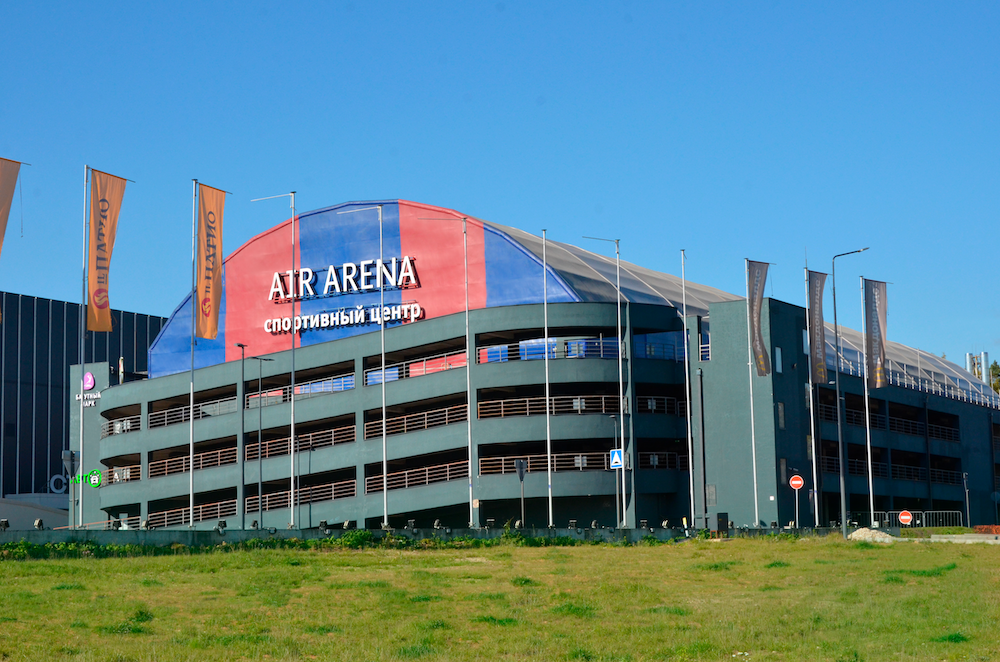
(616,459)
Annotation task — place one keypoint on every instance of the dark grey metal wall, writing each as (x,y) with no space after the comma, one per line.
(39,340)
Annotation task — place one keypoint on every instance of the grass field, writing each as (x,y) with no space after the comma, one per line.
(762,599)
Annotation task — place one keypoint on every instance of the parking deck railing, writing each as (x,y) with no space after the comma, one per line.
(304,442)
(120,426)
(421,476)
(416,368)
(656,404)
(419,421)
(303,391)
(326,492)
(201,410)
(179,516)
(559,404)
(181,464)
(116,475)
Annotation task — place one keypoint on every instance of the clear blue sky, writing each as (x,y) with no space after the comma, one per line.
(773,131)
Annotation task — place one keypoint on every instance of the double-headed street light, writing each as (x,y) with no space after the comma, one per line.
(621,350)
(840,424)
(260,441)
(241,441)
(295,291)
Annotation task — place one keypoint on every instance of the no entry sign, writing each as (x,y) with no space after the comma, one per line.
(905,517)
(796,483)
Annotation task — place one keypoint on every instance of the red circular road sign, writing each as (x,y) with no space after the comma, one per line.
(905,517)
(796,482)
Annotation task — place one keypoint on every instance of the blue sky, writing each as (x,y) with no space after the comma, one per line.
(774,131)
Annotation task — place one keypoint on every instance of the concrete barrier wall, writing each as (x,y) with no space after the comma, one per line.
(163,538)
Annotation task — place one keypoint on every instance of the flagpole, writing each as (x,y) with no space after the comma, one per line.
(295,286)
(548,401)
(621,386)
(687,386)
(812,402)
(78,508)
(468,366)
(868,412)
(753,430)
(194,254)
(381,322)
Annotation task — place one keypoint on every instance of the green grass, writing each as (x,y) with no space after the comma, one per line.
(823,599)
(927,532)
(952,638)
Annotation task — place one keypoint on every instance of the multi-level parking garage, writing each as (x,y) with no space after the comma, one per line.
(428,420)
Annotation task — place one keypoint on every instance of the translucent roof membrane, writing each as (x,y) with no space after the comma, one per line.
(911,368)
(592,277)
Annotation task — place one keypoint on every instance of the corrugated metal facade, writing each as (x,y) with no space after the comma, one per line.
(39,340)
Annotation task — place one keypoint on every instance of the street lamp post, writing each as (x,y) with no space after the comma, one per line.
(965,484)
(295,291)
(840,415)
(621,385)
(240,441)
(260,441)
(614,444)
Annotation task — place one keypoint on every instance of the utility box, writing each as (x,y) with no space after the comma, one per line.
(722,522)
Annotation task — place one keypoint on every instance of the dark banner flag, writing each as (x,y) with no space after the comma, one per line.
(817,330)
(756,277)
(211,202)
(106,193)
(8,180)
(875,307)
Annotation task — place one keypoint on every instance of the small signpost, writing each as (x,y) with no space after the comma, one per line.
(521,465)
(796,483)
(905,517)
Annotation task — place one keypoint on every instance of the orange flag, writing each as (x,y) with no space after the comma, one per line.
(106,192)
(8,179)
(208,290)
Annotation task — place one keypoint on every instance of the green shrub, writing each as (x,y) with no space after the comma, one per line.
(356,539)
(952,638)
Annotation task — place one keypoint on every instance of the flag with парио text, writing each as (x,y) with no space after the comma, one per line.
(106,193)
(208,273)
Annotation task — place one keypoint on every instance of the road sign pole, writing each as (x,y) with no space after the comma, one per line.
(796,482)
(796,510)
(521,466)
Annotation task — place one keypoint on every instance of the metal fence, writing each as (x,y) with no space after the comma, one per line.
(564,404)
(327,492)
(895,471)
(120,426)
(419,421)
(180,516)
(304,442)
(893,423)
(560,462)
(422,476)
(656,404)
(121,475)
(303,391)
(559,348)
(921,518)
(416,368)
(176,465)
(201,410)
